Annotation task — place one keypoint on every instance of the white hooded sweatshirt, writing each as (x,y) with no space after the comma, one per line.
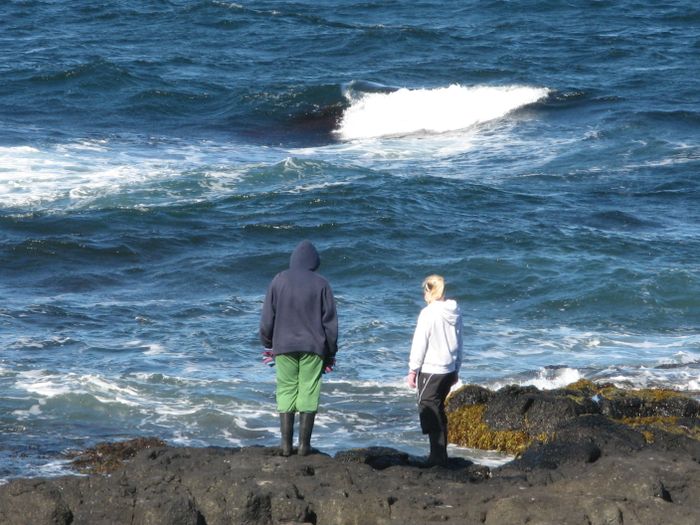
(437,341)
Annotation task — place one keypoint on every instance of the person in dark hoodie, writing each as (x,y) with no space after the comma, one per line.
(299,325)
(434,363)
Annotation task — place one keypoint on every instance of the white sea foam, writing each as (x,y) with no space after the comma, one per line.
(81,174)
(155,349)
(231,439)
(151,404)
(543,379)
(34,410)
(397,382)
(557,378)
(171,410)
(35,178)
(48,385)
(41,383)
(681,357)
(489,458)
(180,439)
(404,112)
(26,342)
(150,349)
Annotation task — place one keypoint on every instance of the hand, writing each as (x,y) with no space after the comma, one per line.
(328,365)
(268,358)
(411,379)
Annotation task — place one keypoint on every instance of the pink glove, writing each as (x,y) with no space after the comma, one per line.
(411,379)
(268,358)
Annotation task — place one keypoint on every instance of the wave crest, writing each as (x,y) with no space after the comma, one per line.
(439,110)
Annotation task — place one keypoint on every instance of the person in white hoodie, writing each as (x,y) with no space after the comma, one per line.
(434,363)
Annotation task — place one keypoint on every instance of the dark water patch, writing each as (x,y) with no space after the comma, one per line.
(282,14)
(674,189)
(165,101)
(294,230)
(675,117)
(567,99)
(678,288)
(357,88)
(620,303)
(57,321)
(48,252)
(296,114)
(40,345)
(96,75)
(575,99)
(82,282)
(686,15)
(617,220)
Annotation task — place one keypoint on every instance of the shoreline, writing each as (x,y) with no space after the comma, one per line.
(588,454)
(377,485)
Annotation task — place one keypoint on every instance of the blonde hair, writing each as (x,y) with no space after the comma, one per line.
(434,287)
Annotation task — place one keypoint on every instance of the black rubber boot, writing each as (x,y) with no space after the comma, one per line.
(287,431)
(438,449)
(306,427)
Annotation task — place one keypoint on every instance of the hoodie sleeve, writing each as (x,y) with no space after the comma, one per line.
(330,321)
(267,321)
(419,346)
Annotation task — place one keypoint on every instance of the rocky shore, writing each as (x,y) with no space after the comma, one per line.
(586,454)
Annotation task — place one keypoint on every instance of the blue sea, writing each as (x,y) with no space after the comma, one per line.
(160,159)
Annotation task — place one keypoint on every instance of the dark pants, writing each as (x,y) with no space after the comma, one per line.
(432,392)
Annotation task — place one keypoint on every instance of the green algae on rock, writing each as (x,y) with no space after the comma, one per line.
(515,417)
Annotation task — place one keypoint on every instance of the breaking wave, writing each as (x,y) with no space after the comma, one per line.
(438,110)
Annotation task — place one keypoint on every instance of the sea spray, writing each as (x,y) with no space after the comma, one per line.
(438,110)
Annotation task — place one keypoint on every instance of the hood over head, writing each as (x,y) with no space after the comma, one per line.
(449,310)
(305,257)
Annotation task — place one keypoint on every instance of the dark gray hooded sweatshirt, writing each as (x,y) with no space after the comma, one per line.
(299,310)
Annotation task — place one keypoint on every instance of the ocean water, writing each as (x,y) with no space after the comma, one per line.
(159,160)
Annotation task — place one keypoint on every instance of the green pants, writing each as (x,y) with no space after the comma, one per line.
(298,382)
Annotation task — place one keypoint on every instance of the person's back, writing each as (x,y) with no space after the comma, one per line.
(299,312)
(434,362)
(300,326)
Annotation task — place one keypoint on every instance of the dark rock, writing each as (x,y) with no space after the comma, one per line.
(554,454)
(515,418)
(33,502)
(623,404)
(678,442)
(607,435)
(579,465)
(256,485)
(537,412)
(376,457)
(108,457)
(468,395)
(507,407)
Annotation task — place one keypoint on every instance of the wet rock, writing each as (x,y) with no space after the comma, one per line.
(258,486)
(552,455)
(469,395)
(376,457)
(537,412)
(622,404)
(577,465)
(33,501)
(515,418)
(108,457)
